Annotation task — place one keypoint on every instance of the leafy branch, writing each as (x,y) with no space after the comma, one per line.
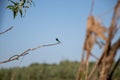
(17,7)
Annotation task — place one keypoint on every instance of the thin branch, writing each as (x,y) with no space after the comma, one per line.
(92,7)
(94,56)
(106,12)
(16,57)
(113,69)
(6,30)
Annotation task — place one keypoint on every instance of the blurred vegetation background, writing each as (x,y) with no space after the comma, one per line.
(65,70)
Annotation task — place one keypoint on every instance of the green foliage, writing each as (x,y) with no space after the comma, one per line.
(18,6)
(65,70)
(116,75)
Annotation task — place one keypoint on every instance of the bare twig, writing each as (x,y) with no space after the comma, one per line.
(113,69)
(16,57)
(106,12)
(92,6)
(6,30)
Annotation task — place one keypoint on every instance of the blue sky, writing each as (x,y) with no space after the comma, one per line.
(48,19)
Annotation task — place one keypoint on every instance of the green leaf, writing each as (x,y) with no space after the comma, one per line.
(15,12)
(15,3)
(10,6)
(24,1)
(20,10)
